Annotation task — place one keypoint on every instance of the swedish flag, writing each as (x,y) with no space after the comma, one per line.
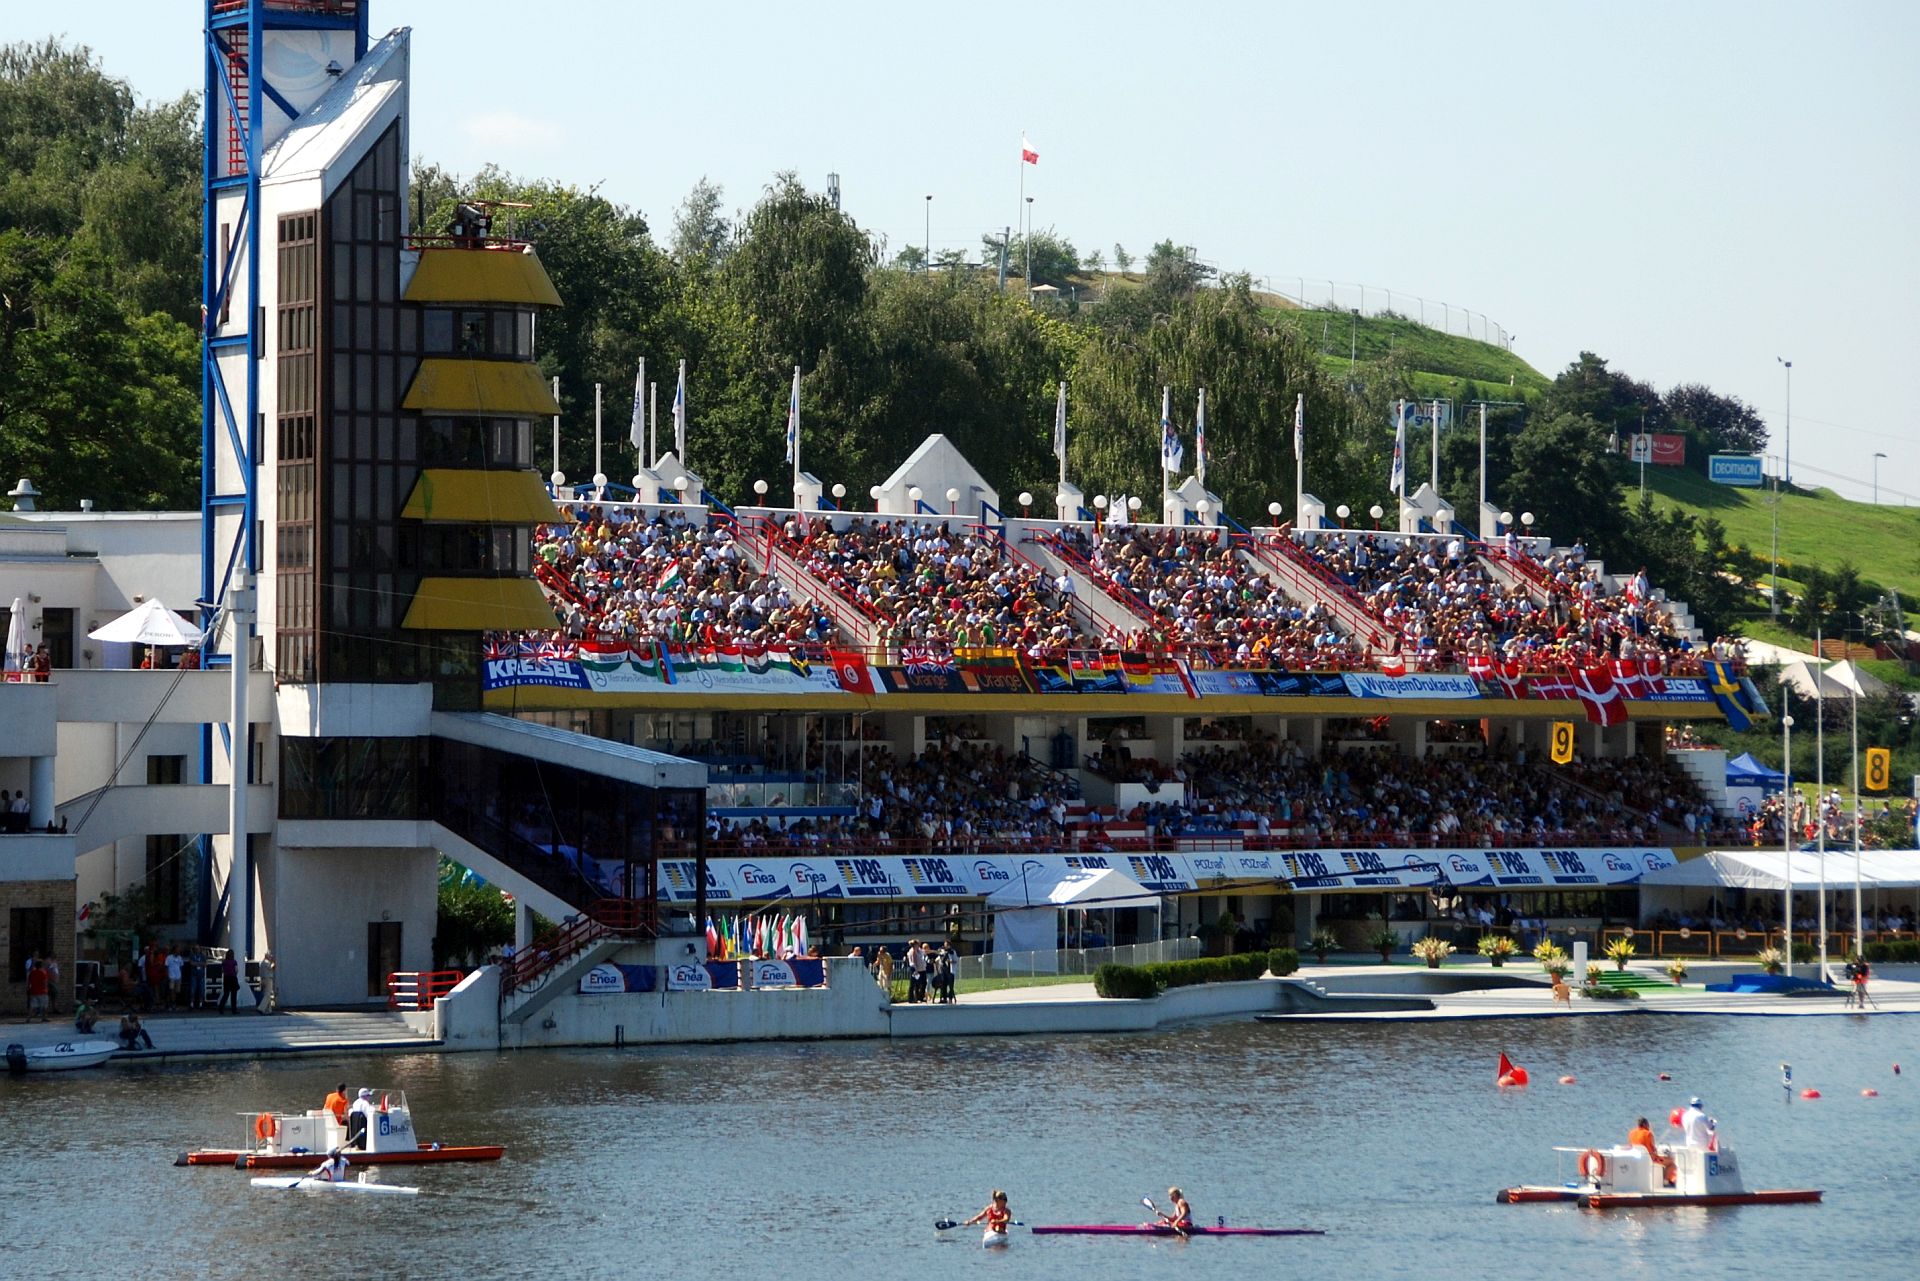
(1728,695)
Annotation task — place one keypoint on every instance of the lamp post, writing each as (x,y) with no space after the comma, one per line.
(1027,271)
(953,502)
(1876,478)
(1787,468)
(1203,507)
(1133,506)
(1026,501)
(927,265)
(913,499)
(1786,828)
(760,492)
(1376,511)
(1273,511)
(1343,511)
(839,495)
(1773,592)
(1099,510)
(873,492)
(680,487)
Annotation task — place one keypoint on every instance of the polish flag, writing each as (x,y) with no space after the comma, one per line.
(1027,154)
(1393,665)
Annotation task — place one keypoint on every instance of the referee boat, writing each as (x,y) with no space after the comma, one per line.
(1610,1178)
(295,1140)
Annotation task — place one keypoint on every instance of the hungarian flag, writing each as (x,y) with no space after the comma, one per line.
(1600,696)
(1027,154)
(851,670)
(670,577)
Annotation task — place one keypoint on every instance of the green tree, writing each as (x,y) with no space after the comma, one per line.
(911,258)
(1122,260)
(700,233)
(473,918)
(1714,423)
(1561,473)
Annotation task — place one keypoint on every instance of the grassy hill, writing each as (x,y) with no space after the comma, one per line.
(1816,526)
(1440,362)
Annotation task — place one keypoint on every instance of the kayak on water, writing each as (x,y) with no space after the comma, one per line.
(992,1238)
(310,1184)
(1162,1230)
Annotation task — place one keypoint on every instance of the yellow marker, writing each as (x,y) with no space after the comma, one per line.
(1879,769)
(1562,742)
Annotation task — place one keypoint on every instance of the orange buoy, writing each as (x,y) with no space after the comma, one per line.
(1809,1093)
(1673,1118)
(1869,1093)
(1666,1076)
(1567,1080)
(264,1126)
(1520,1076)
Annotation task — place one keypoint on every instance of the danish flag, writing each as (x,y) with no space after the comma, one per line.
(1603,700)
(1511,678)
(1631,678)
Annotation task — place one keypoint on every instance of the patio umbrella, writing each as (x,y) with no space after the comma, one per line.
(149,623)
(16,655)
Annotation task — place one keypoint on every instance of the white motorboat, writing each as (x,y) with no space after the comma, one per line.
(308,1183)
(61,1056)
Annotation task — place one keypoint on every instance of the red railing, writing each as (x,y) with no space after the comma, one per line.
(853,618)
(1306,577)
(603,918)
(1084,618)
(420,989)
(1072,558)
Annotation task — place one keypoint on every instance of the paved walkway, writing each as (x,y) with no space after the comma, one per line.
(206,1036)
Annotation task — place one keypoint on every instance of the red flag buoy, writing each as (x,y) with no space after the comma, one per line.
(1520,1076)
(1869,1093)
(1809,1093)
(1506,1067)
(1673,1118)
(1505,1081)
(1567,1080)
(1666,1076)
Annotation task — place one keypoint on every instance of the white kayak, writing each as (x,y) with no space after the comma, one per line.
(307,1183)
(992,1238)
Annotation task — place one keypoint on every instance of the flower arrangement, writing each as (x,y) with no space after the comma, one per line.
(1772,960)
(1594,972)
(1433,951)
(1677,971)
(1620,951)
(1552,957)
(1496,948)
(1383,941)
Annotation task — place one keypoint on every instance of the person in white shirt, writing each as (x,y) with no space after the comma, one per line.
(1696,1127)
(333,1169)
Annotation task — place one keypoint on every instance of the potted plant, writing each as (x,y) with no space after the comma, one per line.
(1323,943)
(1383,941)
(1594,971)
(1552,957)
(1677,972)
(1620,951)
(1433,951)
(1496,948)
(1772,960)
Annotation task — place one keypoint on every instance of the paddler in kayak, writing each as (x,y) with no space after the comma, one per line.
(333,1169)
(1180,1217)
(996,1216)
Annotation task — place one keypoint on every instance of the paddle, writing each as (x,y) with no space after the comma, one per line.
(941,1225)
(1148,1202)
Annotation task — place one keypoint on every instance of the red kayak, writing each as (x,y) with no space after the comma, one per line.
(1162,1230)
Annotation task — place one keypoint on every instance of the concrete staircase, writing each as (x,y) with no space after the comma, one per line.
(518,1007)
(203,1036)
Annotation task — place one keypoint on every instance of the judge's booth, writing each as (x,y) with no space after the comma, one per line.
(1029,914)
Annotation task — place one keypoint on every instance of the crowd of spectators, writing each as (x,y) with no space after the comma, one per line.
(934,587)
(1200,595)
(615,574)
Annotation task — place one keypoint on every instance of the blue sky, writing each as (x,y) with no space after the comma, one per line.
(1689,190)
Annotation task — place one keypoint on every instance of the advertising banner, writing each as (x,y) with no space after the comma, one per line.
(772,974)
(1432,685)
(607,979)
(1270,683)
(1736,469)
(1669,450)
(646,668)
(687,976)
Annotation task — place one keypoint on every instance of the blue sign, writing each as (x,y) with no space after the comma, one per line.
(1735,469)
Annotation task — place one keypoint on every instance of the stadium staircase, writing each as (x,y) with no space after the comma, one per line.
(1628,981)
(1275,554)
(777,554)
(1099,606)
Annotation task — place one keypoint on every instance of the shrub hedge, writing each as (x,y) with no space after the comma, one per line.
(1897,951)
(1137,982)
(1282,961)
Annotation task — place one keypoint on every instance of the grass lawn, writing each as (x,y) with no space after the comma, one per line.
(999,983)
(1340,336)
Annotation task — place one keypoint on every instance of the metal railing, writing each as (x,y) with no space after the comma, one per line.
(1014,966)
(420,990)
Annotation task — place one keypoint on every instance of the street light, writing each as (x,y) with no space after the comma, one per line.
(1786,827)
(1026,501)
(1273,511)
(1526,523)
(1133,502)
(927,265)
(1787,467)
(873,492)
(760,491)
(913,498)
(1343,511)
(1203,507)
(1506,521)
(1876,478)
(953,501)
(839,494)
(680,487)
(1376,511)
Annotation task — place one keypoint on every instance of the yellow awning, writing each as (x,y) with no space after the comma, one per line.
(483,497)
(509,276)
(479,605)
(508,388)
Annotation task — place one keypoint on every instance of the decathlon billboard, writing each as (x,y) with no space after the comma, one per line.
(1735,469)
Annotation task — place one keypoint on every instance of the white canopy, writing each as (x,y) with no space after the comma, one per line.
(1835,680)
(1757,869)
(1075,887)
(149,623)
(15,658)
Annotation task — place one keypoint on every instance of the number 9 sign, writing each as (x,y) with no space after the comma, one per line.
(1879,769)
(1562,742)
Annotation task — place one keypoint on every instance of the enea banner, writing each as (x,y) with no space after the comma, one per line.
(890,878)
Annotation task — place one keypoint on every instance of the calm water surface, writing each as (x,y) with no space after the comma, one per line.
(830,1162)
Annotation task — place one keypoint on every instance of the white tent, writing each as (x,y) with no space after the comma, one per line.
(1026,913)
(1838,680)
(15,658)
(149,623)
(1761,869)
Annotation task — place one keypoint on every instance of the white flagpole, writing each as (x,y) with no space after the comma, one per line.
(1200,440)
(680,416)
(653,420)
(1060,431)
(556,425)
(637,422)
(1436,451)
(1166,421)
(1483,461)
(1299,453)
(793,434)
(599,472)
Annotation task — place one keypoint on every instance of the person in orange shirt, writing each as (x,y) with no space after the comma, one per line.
(1642,1136)
(337,1103)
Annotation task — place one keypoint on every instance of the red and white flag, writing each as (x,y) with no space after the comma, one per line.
(1393,665)
(1512,678)
(1027,154)
(1630,677)
(1602,698)
(851,670)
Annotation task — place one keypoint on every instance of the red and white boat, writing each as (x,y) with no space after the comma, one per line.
(1610,1178)
(295,1140)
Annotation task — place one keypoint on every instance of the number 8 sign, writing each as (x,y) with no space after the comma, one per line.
(1879,769)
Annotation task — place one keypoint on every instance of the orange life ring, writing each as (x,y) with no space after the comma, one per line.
(1593,1165)
(265,1127)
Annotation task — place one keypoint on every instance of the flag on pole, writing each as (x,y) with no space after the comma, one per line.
(793,421)
(1060,426)
(713,939)
(637,429)
(680,416)
(1170,451)
(1027,154)
(1299,426)
(1200,440)
(1397,479)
